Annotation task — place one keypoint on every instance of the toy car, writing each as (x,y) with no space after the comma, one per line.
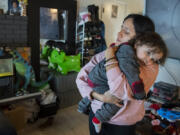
(170,115)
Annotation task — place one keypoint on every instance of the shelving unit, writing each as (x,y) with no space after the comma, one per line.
(80,34)
(88,39)
(14,31)
(19,98)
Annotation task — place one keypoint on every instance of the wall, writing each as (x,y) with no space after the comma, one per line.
(170,72)
(135,6)
(113,24)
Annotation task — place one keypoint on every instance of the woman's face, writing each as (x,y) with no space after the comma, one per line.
(127,32)
(146,56)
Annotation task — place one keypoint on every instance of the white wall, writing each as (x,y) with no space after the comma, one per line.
(170,72)
(113,25)
(135,6)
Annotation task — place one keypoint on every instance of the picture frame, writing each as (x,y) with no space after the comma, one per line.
(114,11)
(12,10)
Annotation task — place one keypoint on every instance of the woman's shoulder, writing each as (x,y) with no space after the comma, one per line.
(100,56)
(149,74)
(152,68)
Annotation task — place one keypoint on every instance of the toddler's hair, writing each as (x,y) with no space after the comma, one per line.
(152,40)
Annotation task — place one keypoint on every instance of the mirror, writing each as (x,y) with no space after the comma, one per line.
(53,23)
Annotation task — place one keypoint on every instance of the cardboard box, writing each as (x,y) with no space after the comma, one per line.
(17,117)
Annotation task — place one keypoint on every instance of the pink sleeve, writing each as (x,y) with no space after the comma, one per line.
(82,76)
(116,82)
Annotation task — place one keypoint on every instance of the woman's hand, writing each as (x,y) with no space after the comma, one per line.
(109,98)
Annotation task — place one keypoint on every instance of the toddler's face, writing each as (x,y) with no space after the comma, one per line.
(146,55)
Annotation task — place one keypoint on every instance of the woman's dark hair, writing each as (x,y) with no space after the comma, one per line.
(153,41)
(141,23)
(94,10)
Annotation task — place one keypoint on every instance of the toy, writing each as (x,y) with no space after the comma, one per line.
(24,69)
(62,63)
(69,63)
(46,51)
(170,115)
(155,122)
(53,58)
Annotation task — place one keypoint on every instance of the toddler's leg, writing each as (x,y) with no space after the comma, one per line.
(130,67)
(107,111)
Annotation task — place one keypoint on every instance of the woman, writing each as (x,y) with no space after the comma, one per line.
(123,123)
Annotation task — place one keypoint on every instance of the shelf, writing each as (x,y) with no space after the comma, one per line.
(14,31)
(79,33)
(18,98)
(2,44)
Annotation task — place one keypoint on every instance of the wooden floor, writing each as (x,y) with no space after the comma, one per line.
(66,122)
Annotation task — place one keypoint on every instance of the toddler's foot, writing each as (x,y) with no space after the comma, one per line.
(97,124)
(84,106)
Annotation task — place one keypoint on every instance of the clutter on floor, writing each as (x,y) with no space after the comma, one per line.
(162,111)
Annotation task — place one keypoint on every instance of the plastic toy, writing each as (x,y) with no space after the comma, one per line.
(155,122)
(46,51)
(25,70)
(54,58)
(62,63)
(68,63)
(170,115)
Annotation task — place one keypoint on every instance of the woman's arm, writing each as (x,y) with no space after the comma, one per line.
(87,91)
(107,97)
(82,76)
